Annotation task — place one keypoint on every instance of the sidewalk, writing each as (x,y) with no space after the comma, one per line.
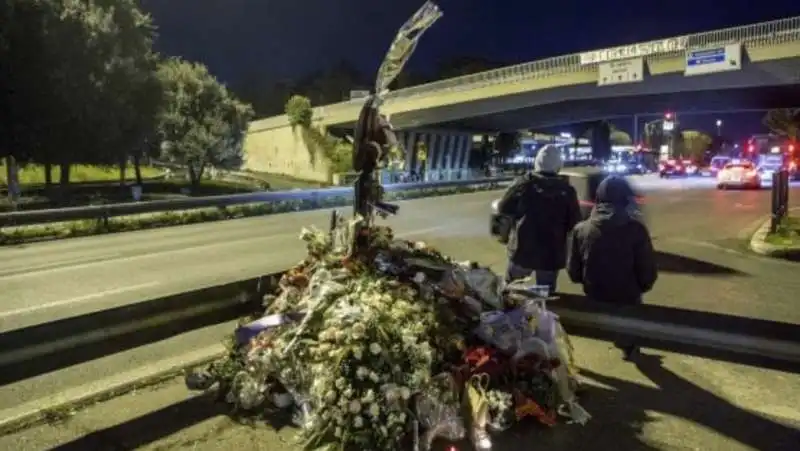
(663,402)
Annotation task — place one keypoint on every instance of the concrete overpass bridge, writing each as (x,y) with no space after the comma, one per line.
(563,90)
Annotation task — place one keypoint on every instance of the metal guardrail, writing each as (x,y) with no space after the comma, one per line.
(21,218)
(760,34)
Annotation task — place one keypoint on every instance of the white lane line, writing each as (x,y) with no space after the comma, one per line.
(200,247)
(416,232)
(58,262)
(75,300)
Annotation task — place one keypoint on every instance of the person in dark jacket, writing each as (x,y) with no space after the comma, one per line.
(544,208)
(611,253)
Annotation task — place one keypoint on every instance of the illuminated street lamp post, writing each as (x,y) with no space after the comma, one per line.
(719,127)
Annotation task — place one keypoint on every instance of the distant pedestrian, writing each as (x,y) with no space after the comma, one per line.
(544,208)
(611,253)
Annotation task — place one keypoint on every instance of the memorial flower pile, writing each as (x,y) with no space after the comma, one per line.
(394,346)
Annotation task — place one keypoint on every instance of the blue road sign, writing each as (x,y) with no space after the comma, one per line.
(704,57)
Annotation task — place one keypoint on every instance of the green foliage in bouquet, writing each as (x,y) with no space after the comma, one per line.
(366,344)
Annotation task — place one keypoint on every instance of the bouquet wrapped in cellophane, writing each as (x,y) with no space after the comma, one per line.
(358,347)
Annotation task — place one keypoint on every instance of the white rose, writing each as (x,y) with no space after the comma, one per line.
(348,393)
(358,422)
(374,410)
(330,396)
(337,432)
(373,376)
(357,353)
(341,383)
(405,393)
(375,348)
(369,396)
(355,406)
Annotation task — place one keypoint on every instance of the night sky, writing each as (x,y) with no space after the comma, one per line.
(286,39)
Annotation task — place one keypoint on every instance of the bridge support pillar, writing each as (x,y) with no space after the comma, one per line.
(444,151)
(601,140)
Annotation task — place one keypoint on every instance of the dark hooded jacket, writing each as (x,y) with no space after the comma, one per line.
(544,208)
(611,253)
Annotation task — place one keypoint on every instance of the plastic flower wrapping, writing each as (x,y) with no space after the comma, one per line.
(396,347)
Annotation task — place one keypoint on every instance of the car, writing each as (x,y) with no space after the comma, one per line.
(739,175)
(624,168)
(671,168)
(715,165)
(585,184)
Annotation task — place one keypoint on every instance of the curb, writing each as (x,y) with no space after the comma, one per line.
(759,245)
(60,406)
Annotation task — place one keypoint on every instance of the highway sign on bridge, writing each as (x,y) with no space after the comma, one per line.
(709,61)
(618,72)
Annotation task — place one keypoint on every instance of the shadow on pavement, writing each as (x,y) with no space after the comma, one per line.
(40,349)
(685,265)
(620,415)
(679,397)
(149,428)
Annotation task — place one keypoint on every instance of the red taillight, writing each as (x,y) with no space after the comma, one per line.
(751,148)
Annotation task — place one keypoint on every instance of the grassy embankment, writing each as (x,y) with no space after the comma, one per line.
(110,191)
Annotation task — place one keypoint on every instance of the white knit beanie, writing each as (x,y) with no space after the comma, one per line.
(548,159)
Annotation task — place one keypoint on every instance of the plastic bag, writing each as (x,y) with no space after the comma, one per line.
(439,419)
(498,329)
(486,284)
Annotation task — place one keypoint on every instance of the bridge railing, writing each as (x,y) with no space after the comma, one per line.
(760,34)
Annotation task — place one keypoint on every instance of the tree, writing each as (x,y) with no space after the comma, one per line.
(299,111)
(694,143)
(77,68)
(620,138)
(201,123)
(784,122)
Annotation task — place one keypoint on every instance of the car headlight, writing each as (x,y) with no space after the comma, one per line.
(621,168)
(495,205)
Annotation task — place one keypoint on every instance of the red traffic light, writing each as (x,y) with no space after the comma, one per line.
(668,116)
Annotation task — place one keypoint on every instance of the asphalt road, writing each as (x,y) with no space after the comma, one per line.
(43,282)
(697,230)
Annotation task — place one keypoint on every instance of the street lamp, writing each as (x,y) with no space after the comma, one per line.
(719,127)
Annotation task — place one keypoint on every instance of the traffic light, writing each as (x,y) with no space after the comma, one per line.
(668,116)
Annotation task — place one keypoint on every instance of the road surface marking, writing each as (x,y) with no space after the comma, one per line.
(200,247)
(422,231)
(76,300)
(58,263)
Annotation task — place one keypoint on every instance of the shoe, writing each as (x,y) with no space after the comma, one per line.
(630,353)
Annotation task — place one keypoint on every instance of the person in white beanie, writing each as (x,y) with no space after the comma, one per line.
(544,208)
